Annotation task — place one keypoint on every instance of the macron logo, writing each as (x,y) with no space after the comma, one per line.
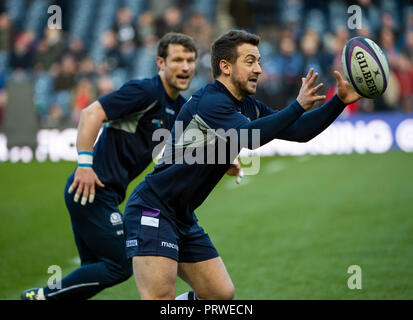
(169,245)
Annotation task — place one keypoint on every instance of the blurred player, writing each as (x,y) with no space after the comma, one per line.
(122,152)
(163,237)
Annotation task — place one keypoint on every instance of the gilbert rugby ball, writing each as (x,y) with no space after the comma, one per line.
(365,67)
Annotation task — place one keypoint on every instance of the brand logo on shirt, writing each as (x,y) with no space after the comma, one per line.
(158,122)
(169,245)
(170,111)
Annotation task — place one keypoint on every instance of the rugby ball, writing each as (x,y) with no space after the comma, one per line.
(365,67)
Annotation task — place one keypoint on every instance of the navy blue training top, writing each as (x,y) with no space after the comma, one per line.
(124,149)
(182,184)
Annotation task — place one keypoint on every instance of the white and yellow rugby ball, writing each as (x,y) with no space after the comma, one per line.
(365,67)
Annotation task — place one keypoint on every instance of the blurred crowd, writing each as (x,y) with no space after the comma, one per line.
(104,43)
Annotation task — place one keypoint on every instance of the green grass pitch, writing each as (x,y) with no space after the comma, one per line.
(290,232)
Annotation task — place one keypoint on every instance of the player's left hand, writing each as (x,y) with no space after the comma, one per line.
(235,170)
(344,90)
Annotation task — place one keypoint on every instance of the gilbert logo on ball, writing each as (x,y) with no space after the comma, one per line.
(365,67)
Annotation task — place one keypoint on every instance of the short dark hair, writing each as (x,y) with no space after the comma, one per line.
(225,47)
(175,38)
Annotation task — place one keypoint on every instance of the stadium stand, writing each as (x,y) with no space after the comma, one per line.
(103,43)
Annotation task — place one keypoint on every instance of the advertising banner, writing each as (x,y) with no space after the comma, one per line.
(364,133)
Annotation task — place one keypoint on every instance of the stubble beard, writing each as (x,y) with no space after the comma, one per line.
(242,87)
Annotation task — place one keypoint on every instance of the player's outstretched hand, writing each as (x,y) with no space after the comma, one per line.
(344,90)
(308,93)
(84,181)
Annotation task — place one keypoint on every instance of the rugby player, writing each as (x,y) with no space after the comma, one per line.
(163,237)
(124,149)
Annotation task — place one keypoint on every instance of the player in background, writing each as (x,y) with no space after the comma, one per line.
(163,238)
(123,150)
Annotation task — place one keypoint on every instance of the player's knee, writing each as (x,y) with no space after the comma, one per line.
(158,297)
(165,293)
(226,292)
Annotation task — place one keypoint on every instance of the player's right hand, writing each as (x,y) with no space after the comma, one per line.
(84,181)
(308,93)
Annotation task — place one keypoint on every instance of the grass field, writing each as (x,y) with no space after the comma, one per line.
(290,232)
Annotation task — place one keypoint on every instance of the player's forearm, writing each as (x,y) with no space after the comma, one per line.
(314,122)
(270,126)
(91,120)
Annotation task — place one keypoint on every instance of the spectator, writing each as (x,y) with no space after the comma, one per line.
(77,50)
(313,55)
(22,56)
(404,75)
(44,57)
(199,28)
(66,77)
(171,21)
(408,50)
(371,16)
(387,22)
(6,33)
(126,36)
(338,42)
(56,43)
(84,95)
(286,68)
(105,86)
(64,84)
(86,69)
(124,30)
(241,12)
(113,58)
(145,26)
(387,43)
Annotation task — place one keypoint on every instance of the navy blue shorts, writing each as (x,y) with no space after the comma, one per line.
(152,231)
(98,230)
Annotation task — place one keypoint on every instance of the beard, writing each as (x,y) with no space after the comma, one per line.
(243,86)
